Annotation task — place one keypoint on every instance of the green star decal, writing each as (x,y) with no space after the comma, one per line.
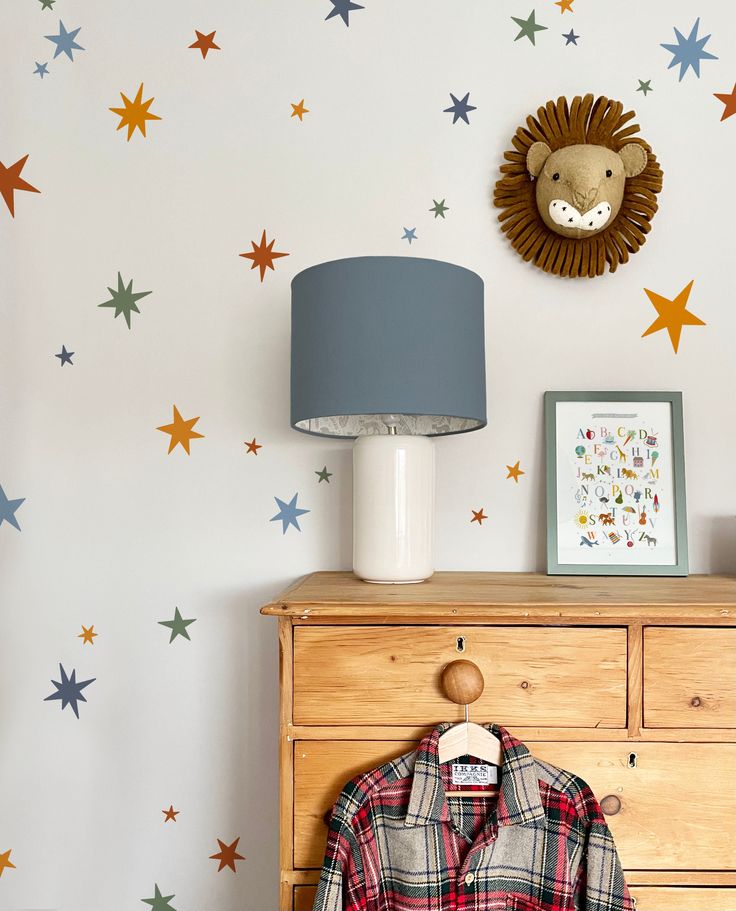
(124,299)
(439,208)
(178,627)
(324,475)
(645,87)
(528,27)
(159,902)
(46,4)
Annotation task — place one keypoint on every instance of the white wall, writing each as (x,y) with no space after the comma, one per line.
(115,532)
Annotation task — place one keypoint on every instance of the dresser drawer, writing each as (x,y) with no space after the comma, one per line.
(534,676)
(674,810)
(667,898)
(304,897)
(689,677)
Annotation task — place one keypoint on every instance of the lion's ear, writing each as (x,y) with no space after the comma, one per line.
(538,153)
(634,157)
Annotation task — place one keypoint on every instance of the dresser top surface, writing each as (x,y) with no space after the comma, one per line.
(468,594)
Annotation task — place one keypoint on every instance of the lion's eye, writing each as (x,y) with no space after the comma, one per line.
(555,176)
(609,173)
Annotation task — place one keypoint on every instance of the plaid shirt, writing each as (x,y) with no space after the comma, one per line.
(394,844)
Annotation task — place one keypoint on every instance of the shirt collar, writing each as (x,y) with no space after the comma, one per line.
(519,801)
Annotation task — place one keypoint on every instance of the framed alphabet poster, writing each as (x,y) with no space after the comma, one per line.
(615,484)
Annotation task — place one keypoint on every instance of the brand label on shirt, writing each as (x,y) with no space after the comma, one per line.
(468,773)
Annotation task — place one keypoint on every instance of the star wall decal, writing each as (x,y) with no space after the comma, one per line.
(729,101)
(288,513)
(8,509)
(514,472)
(135,113)
(64,41)
(65,356)
(439,208)
(159,902)
(571,38)
(342,8)
(5,862)
(324,475)
(298,110)
(688,52)
(124,300)
(170,815)
(227,855)
(565,6)
(645,87)
(178,625)
(181,431)
(672,314)
(47,4)
(42,69)
(263,255)
(88,635)
(529,27)
(10,181)
(460,108)
(409,234)
(69,690)
(253,447)
(478,516)
(205,43)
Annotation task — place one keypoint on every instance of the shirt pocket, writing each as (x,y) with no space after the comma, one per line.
(519,903)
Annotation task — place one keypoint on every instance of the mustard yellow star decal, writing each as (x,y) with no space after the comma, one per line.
(5,862)
(565,6)
(299,110)
(135,113)
(181,431)
(88,635)
(672,314)
(514,472)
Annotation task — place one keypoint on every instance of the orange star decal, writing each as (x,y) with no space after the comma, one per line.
(10,180)
(5,862)
(673,314)
(729,101)
(88,635)
(227,855)
(263,255)
(478,516)
(299,110)
(181,431)
(514,472)
(135,113)
(254,447)
(171,813)
(205,43)
(565,6)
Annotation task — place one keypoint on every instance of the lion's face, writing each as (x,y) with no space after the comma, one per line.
(580,187)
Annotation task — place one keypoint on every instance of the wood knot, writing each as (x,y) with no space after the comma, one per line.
(524,684)
(611,805)
(695,702)
(393,657)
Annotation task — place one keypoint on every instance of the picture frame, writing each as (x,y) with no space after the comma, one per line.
(615,484)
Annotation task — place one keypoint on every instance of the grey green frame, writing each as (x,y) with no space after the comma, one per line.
(680,568)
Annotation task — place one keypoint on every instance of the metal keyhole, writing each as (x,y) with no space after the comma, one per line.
(460,643)
(633,760)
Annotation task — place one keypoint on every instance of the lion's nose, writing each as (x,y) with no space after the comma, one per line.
(585,198)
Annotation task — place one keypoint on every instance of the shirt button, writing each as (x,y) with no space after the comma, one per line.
(469,879)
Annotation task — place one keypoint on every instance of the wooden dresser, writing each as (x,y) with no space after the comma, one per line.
(628,682)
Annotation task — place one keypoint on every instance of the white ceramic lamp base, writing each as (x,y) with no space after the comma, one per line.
(393,508)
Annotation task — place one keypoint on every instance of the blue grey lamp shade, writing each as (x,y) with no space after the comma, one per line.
(387,335)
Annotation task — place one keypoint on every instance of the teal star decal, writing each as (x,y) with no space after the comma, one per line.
(159,902)
(645,87)
(64,41)
(178,627)
(529,27)
(42,69)
(69,691)
(46,4)
(324,475)
(8,508)
(439,208)
(688,52)
(288,513)
(124,300)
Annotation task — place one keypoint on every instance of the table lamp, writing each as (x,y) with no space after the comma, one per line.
(388,351)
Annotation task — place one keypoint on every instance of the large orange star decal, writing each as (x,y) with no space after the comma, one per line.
(205,43)
(10,180)
(181,431)
(673,314)
(5,862)
(263,255)
(135,113)
(729,101)
(227,855)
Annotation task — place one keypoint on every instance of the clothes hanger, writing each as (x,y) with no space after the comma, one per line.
(463,683)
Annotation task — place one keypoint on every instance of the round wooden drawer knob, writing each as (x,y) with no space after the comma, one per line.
(611,805)
(462,682)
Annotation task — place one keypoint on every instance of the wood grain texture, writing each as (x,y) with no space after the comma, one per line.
(689,677)
(664,898)
(304,897)
(557,676)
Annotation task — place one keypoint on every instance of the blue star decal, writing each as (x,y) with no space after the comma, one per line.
(65,356)
(410,234)
(64,41)
(688,52)
(8,509)
(460,109)
(69,691)
(288,513)
(42,69)
(571,38)
(342,8)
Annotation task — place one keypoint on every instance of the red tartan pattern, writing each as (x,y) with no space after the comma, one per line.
(541,844)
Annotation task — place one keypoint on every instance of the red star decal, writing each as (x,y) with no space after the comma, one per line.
(227,855)
(478,516)
(205,43)
(10,180)
(729,101)
(263,255)
(253,446)
(171,813)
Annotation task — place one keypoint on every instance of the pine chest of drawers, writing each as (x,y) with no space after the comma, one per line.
(628,682)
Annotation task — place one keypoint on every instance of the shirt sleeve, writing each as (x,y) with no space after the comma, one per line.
(600,884)
(340,880)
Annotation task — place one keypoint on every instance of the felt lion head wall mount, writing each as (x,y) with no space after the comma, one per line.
(579,189)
